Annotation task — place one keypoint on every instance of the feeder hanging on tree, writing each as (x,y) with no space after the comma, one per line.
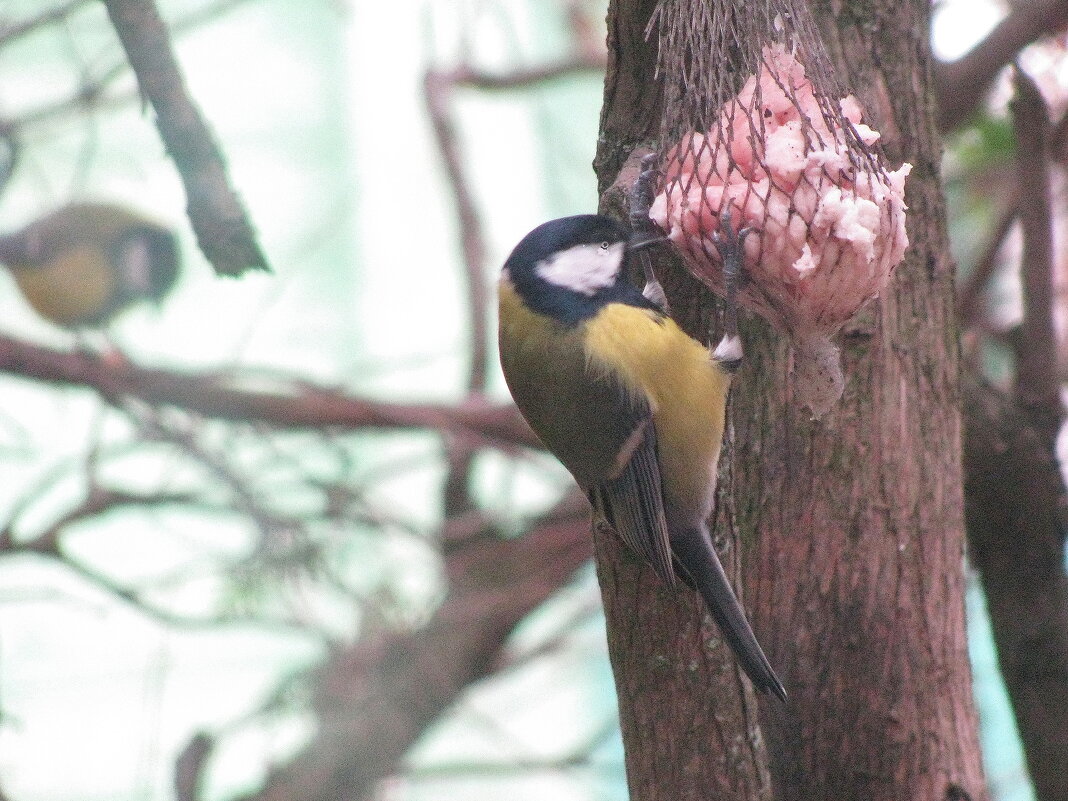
(787,157)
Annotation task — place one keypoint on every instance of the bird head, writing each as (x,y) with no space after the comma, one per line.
(146,256)
(568,268)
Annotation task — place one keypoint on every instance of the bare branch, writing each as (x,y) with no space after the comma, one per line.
(961,85)
(986,265)
(17,30)
(438,90)
(376,698)
(246,500)
(437,95)
(1016,513)
(222,227)
(189,767)
(1037,388)
(98,501)
(296,405)
(471,78)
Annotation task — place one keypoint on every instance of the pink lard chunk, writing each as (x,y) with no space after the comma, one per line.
(826,236)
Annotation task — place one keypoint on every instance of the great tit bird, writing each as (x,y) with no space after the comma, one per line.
(83,264)
(630,403)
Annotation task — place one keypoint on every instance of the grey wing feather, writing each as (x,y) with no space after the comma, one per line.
(633,504)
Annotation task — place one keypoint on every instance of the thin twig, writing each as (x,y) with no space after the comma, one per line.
(246,500)
(471,78)
(375,698)
(438,92)
(17,30)
(90,94)
(437,95)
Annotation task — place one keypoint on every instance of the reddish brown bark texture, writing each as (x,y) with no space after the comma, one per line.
(689,720)
(852,527)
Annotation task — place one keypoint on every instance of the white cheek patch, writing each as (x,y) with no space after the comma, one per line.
(136,261)
(583,268)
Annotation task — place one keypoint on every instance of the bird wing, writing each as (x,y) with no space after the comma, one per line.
(601,430)
(633,504)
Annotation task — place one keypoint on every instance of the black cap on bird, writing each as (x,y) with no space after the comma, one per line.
(631,404)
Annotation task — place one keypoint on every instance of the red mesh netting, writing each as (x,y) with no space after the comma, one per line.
(789,157)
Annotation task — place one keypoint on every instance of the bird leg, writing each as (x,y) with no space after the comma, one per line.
(730,247)
(641,200)
(731,251)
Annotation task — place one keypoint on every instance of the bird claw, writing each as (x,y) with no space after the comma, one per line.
(642,193)
(730,244)
(640,202)
(731,250)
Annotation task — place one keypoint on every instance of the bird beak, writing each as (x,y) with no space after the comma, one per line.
(643,241)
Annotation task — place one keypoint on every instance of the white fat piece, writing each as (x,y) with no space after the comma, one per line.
(729,349)
(586,269)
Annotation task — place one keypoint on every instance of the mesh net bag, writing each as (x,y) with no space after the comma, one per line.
(758,135)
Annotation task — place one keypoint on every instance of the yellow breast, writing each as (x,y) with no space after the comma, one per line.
(686,390)
(75,289)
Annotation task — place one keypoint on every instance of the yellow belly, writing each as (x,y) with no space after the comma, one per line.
(75,289)
(686,390)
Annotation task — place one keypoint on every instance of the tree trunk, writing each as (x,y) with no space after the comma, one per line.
(851,527)
(1016,522)
(688,717)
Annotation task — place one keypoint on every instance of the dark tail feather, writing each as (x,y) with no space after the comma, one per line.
(697,557)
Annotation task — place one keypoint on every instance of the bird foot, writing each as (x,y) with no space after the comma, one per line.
(731,247)
(640,201)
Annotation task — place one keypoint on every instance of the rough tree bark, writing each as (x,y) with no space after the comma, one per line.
(688,718)
(852,527)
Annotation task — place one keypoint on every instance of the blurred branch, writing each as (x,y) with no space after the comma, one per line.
(246,501)
(10,33)
(1037,387)
(1058,141)
(437,95)
(1016,507)
(468,77)
(1017,514)
(376,698)
(961,85)
(189,767)
(970,295)
(296,405)
(438,91)
(97,501)
(100,501)
(90,94)
(219,220)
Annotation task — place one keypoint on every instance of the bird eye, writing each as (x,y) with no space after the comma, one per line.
(604,247)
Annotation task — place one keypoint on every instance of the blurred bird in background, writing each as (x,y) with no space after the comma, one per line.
(84,264)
